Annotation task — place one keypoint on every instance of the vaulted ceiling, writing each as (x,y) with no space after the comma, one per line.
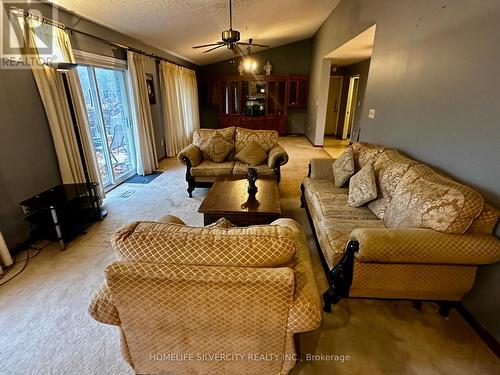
(176,25)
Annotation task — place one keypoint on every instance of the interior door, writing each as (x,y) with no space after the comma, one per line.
(332,114)
(352,99)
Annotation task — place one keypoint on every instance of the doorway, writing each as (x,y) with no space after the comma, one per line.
(111,128)
(333,109)
(352,103)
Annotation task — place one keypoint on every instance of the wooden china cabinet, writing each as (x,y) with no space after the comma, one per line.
(254,101)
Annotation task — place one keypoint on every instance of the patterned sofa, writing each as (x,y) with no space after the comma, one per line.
(202,171)
(422,238)
(182,296)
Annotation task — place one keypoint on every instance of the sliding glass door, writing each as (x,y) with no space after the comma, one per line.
(110,125)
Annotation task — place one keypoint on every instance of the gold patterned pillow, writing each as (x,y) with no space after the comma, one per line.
(362,187)
(216,148)
(252,154)
(424,199)
(343,167)
(221,223)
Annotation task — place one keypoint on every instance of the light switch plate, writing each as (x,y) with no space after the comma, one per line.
(371,113)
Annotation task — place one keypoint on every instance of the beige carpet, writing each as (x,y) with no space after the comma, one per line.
(45,328)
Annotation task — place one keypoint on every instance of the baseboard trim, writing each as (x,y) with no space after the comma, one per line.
(311,142)
(486,336)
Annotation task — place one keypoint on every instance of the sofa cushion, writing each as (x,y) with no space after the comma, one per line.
(362,187)
(252,154)
(240,169)
(179,244)
(365,153)
(336,206)
(210,168)
(425,199)
(390,168)
(335,235)
(343,167)
(323,186)
(266,139)
(200,136)
(217,148)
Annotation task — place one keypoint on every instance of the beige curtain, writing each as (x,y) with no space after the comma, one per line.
(55,101)
(180,106)
(147,160)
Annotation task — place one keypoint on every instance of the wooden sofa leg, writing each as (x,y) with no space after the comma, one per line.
(445,307)
(329,299)
(190,189)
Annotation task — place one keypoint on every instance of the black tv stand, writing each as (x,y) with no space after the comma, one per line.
(63,212)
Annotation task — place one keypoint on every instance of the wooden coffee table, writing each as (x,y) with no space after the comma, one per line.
(229,198)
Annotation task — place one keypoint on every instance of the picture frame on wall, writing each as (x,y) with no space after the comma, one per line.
(151,88)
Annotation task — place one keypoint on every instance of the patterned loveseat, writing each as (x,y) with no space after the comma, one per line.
(202,171)
(422,238)
(183,297)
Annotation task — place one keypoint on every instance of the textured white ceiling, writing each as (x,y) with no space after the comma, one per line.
(177,25)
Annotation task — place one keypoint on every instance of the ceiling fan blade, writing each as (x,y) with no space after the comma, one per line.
(238,51)
(209,45)
(211,49)
(254,44)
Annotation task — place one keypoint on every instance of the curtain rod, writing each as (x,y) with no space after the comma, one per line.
(38,17)
(128,48)
(35,16)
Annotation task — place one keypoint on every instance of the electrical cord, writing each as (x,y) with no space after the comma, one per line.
(26,261)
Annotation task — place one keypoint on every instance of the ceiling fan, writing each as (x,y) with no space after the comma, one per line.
(230,39)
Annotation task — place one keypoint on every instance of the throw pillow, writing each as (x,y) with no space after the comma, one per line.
(343,167)
(362,187)
(221,223)
(216,148)
(252,154)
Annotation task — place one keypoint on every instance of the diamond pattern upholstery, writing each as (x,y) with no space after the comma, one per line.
(159,306)
(180,244)
(426,246)
(165,308)
(411,281)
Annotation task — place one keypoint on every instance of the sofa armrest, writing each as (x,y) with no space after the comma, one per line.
(321,168)
(277,154)
(425,246)
(192,153)
(102,308)
(305,313)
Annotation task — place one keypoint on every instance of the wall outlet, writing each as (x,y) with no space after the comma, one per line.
(163,142)
(371,113)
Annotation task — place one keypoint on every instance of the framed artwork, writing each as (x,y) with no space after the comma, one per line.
(151,88)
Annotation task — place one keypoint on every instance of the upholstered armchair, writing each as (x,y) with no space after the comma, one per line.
(213,300)
(213,154)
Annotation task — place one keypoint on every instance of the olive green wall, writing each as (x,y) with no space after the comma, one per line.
(434,93)
(293,58)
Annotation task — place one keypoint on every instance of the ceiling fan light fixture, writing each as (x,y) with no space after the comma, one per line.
(231,36)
